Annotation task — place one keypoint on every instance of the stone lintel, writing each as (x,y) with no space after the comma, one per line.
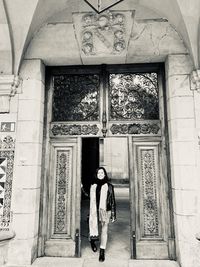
(8,88)
(195,80)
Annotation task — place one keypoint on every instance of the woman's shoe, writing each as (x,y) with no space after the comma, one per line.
(93,246)
(102,254)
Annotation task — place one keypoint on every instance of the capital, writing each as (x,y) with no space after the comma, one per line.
(8,88)
(195,80)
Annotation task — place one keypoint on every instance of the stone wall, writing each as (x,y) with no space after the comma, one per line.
(26,182)
(183,157)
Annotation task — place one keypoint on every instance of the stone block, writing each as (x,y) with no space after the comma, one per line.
(14,103)
(178,85)
(183,153)
(182,130)
(189,253)
(32,89)
(27,177)
(184,177)
(25,200)
(186,228)
(31,110)
(28,154)
(30,131)
(185,202)
(57,261)
(178,65)
(20,252)
(180,107)
(26,225)
(152,263)
(32,69)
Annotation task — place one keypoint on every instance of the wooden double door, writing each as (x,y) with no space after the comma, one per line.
(123,108)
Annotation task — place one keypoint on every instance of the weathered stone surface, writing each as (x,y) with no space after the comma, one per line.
(32,69)
(62,49)
(153,38)
(180,108)
(178,65)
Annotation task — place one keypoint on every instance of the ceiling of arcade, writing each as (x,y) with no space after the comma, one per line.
(53,30)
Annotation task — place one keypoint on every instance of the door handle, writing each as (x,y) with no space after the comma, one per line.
(104,123)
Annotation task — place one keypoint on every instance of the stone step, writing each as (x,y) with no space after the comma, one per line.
(109,262)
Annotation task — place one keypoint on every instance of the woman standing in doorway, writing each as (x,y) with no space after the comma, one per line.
(102,209)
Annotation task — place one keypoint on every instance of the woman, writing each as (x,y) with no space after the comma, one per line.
(102,209)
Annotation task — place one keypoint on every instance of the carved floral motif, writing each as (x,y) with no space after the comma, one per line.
(135,128)
(149,191)
(73,129)
(62,177)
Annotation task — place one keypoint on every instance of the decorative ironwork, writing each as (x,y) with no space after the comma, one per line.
(149,192)
(135,128)
(62,178)
(107,30)
(74,129)
(76,97)
(99,6)
(6,176)
(134,96)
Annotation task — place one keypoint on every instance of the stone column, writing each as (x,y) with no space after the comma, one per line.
(183,157)
(26,182)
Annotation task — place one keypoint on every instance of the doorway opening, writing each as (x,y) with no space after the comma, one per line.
(112,154)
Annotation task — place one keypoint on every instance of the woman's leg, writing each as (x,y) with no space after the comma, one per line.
(104,235)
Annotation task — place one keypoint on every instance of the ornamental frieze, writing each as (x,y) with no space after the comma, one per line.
(136,128)
(74,129)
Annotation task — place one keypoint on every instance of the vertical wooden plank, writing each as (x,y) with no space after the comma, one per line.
(132,199)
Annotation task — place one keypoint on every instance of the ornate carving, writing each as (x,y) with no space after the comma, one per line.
(74,129)
(6,176)
(135,128)
(103,33)
(195,80)
(7,143)
(76,97)
(8,88)
(149,192)
(62,180)
(134,96)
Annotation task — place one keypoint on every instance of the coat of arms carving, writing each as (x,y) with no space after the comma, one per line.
(105,33)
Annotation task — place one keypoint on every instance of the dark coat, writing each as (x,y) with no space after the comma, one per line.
(111,204)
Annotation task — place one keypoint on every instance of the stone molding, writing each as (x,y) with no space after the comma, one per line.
(8,88)
(195,80)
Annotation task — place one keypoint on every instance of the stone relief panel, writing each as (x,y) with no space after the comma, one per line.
(103,34)
(7,146)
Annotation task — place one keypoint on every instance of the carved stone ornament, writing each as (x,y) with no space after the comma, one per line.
(195,80)
(103,34)
(8,88)
(59,129)
(136,128)
(7,146)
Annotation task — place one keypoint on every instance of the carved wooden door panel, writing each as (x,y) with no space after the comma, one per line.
(151,227)
(63,194)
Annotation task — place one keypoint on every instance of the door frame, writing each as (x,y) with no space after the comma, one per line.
(159,68)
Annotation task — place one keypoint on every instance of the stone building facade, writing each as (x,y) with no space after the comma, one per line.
(37,35)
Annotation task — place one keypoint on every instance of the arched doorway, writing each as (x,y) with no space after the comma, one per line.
(117,112)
